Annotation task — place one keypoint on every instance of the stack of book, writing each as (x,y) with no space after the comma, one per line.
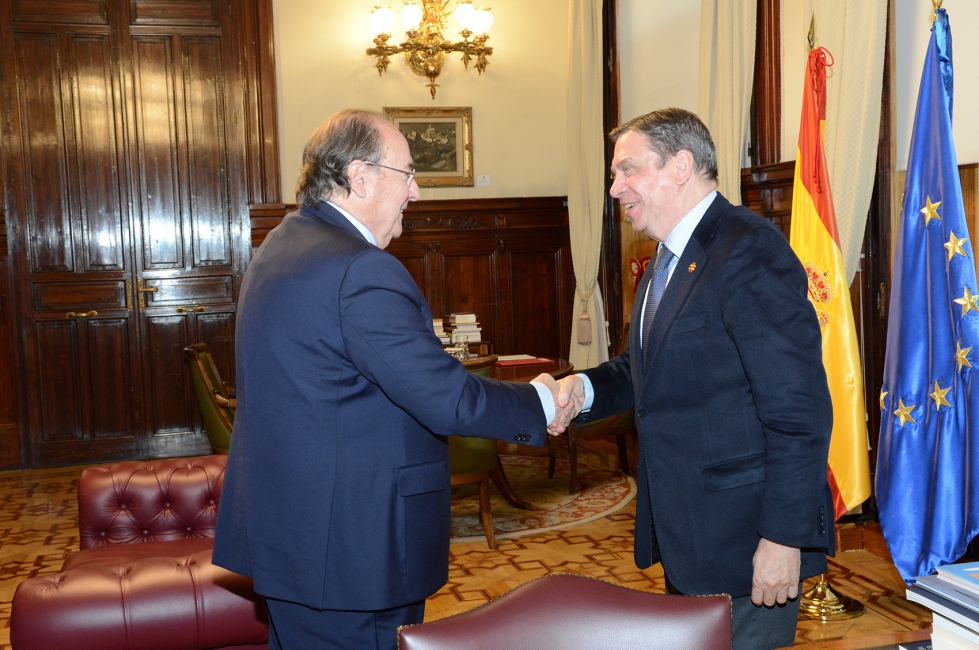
(440,330)
(463,327)
(952,595)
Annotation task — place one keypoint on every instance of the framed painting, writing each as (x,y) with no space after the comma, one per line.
(440,141)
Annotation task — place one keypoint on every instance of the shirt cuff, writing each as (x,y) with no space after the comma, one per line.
(589,392)
(546,401)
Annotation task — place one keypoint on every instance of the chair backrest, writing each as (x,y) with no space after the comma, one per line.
(144,501)
(468,454)
(574,612)
(481,365)
(218,418)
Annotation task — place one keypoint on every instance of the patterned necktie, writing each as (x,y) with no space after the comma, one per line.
(661,271)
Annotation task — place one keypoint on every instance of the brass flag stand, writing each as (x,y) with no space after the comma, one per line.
(822,603)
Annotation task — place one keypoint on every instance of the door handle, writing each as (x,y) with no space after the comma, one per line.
(84,314)
(143,290)
(190,310)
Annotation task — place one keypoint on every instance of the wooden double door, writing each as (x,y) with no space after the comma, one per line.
(128,214)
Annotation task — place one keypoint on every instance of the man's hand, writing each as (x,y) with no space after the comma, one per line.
(568,401)
(776,573)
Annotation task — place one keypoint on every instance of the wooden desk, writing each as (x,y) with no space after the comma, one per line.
(528,371)
(883,642)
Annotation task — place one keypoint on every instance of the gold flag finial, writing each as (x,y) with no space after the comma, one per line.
(812,31)
(938,5)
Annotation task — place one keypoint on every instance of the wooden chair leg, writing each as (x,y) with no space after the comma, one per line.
(486,513)
(503,485)
(574,487)
(623,453)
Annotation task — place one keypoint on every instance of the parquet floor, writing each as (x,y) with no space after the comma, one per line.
(38,529)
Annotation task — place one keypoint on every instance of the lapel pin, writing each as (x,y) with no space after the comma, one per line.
(692,267)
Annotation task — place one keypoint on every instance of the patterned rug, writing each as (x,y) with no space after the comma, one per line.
(604,491)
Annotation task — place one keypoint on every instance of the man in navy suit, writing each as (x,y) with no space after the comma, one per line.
(336,495)
(724,369)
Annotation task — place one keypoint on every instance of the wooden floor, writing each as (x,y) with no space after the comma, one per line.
(38,529)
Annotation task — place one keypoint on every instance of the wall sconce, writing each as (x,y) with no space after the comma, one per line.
(425,47)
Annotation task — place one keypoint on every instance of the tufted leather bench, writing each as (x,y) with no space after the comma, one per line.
(143,578)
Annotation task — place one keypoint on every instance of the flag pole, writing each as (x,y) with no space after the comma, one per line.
(822,602)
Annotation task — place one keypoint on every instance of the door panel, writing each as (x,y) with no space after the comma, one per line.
(156,154)
(187,291)
(208,154)
(39,59)
(95,154)
(59,384)
(217,329)
(111,377)
(80,295)
(172,409)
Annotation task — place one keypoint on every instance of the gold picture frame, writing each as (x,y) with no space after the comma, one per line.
(440,141)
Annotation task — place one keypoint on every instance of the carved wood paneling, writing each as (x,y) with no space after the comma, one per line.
(106,100)
(507,260)
(767,190)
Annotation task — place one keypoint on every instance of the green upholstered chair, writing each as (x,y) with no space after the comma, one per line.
(476,460)
(621,425)
(215,398)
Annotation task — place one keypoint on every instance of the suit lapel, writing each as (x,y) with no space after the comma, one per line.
(688,270)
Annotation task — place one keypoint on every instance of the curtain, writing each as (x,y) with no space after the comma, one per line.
(726,75)
(586,181)
(854,32)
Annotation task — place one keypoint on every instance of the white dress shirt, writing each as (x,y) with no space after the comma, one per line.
(676,241)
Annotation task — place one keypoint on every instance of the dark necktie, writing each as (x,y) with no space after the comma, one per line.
(661,271)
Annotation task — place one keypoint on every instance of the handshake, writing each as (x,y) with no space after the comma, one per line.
(569,398)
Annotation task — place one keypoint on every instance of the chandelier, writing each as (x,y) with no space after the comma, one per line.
(425,47)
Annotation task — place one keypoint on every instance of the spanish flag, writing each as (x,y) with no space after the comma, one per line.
(816,240)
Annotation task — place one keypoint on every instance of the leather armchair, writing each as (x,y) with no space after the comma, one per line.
(570,612)
(143,578)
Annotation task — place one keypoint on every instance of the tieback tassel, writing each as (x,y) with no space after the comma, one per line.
(584,327)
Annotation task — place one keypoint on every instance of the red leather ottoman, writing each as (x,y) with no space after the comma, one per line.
(143,579)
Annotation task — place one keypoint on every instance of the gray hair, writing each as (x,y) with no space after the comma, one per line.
(672,130)
(344,137)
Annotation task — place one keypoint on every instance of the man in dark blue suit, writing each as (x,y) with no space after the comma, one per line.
(336,495)
(724,369)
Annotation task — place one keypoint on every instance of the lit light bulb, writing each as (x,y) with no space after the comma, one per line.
(381,20)
(411,16)
(464,14)
(482,20)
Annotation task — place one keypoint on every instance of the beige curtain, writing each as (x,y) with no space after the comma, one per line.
(726,74)
(854,32)
(586,181)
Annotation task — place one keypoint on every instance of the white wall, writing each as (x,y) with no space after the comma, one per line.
(913,22)
(659,45)
(519,104)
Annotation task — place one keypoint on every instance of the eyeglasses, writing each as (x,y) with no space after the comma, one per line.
(410,173)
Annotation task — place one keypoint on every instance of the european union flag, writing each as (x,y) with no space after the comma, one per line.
(927,481)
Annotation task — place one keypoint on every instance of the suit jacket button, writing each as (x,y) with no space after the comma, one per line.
(642,414)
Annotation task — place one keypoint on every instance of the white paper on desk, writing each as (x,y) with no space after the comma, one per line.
(514,357)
